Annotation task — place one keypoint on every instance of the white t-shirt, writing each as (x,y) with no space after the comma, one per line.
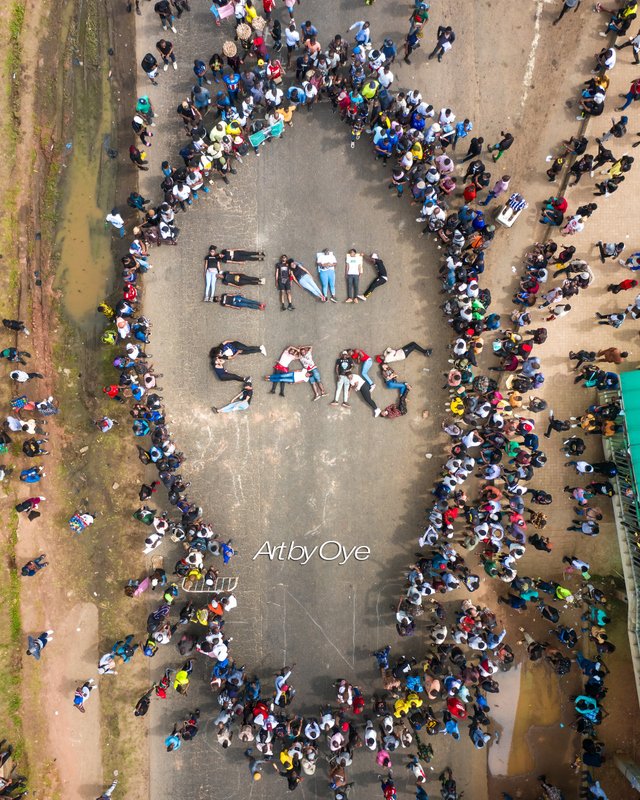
(355,381)
(391,355)
(354,264)
(286,358)
(292,38)
(326,260)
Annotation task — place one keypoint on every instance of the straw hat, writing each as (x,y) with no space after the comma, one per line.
(243,31)
(229,49)
(259,24)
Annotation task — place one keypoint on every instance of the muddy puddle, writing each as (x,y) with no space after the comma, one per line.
(529,713)
(83,242)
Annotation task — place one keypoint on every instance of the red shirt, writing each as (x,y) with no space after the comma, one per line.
(628,284)
(359,356)
(268,5)
(469,193)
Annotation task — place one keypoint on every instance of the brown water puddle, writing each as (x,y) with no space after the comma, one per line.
(533,723)
(83,243)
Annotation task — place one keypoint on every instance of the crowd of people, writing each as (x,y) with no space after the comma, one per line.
(491,426)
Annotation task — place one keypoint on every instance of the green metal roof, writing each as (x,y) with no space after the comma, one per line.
(630,389)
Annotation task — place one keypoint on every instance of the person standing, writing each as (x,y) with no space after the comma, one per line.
(568,5)
(149,65)
(499,188)
(623,286)
(163,10)
(502,146)
(445,39)
(115,219)
(292,39)
(353,271)
(36,646)
(475,148)
(82,694)
(633,42)
(612,355)
(631,96)
(165,48)
(108,792)
(381,275)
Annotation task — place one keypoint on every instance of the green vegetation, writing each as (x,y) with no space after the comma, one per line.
(11,627)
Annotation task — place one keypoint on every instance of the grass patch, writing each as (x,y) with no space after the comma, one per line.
(11,628)
(16,23)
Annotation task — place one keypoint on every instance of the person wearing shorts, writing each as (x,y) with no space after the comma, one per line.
(283,283)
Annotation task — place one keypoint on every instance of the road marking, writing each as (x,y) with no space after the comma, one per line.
(531,61)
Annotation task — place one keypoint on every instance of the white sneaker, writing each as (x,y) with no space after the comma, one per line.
(263,350)
(362,297)
(165,68)
(173,29)
(377,412)
(372,387)
(175,65)
(262,281)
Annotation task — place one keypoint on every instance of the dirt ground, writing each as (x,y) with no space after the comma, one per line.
(56,69)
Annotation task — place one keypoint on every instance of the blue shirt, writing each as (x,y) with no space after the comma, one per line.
(463,129)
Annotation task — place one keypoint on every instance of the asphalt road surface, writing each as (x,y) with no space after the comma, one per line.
(291,470)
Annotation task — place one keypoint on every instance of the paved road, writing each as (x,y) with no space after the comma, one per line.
(289,469)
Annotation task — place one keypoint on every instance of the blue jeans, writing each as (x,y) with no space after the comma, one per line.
(238,405)
(397,385)
(282,377)
(328,281)
(365,371)
(629,98)
(210,279)
(245,302)
(307,282)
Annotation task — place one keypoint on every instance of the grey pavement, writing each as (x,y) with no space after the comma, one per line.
(290,469)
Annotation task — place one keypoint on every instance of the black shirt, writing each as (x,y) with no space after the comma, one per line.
(283,273)
(164,46)
(378,263)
